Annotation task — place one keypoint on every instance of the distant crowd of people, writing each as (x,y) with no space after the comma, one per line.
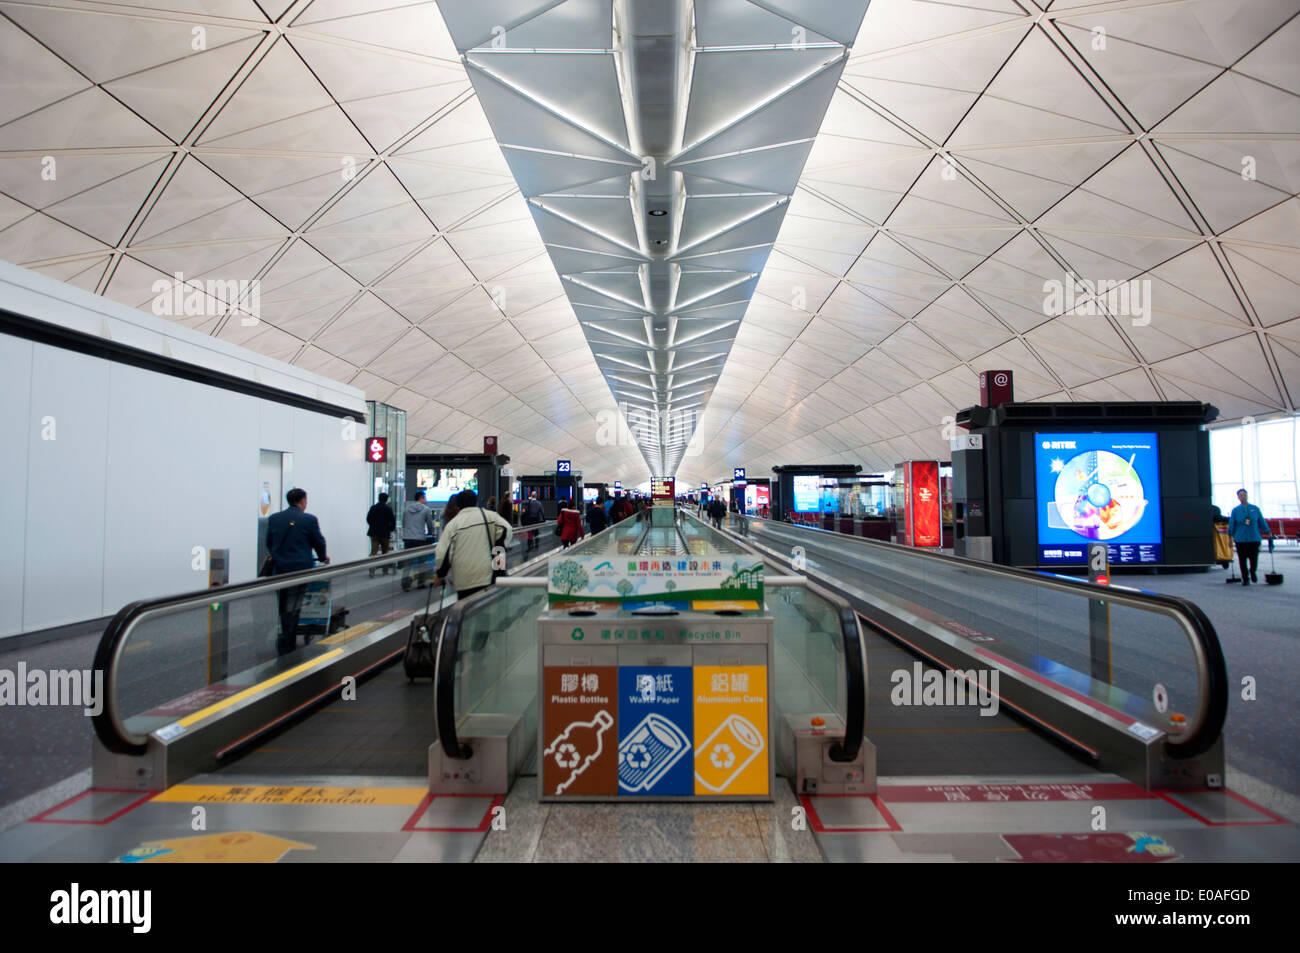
(465,549)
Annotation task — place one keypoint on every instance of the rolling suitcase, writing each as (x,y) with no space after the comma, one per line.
(419,660)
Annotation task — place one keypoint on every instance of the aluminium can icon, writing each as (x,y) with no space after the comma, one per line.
(727,752)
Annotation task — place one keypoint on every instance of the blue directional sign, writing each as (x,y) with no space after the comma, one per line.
(738,474)
(618,484)
(563,466)
(655,719)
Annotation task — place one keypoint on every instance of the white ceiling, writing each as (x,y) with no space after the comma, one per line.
(971,151)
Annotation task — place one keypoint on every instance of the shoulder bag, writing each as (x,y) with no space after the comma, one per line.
(496,573)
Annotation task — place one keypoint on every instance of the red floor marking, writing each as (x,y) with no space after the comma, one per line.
(1274,819)
(1012,791)
(44,816)
(815,818)
(482,827)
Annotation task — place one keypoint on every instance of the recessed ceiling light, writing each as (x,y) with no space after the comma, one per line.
(660,241)
(657,212)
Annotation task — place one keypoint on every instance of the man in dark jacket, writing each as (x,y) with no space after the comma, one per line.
(717,510)
(595,517)
(531,516)
(291,535)
(380,523)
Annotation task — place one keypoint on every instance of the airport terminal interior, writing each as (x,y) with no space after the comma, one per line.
(679,431)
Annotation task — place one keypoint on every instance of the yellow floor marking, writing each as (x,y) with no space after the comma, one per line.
(352,632)
(297,795)
(260,686)
(239,847)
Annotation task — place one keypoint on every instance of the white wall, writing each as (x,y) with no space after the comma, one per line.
(145,466)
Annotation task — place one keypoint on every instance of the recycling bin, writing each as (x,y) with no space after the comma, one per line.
(655,707)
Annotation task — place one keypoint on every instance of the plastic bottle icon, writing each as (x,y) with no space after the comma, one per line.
(577,747)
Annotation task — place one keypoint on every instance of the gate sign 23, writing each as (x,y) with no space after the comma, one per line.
(377,450)
(562,466)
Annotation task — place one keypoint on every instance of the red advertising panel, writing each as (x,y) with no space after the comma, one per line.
(923,503)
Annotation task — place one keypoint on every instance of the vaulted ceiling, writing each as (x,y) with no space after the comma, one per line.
(419,228)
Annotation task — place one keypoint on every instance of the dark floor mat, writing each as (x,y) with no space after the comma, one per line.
(387,730)
(920,740)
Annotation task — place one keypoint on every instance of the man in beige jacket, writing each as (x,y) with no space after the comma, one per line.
(470,539)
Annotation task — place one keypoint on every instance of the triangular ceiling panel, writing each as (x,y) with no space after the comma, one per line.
(859,212)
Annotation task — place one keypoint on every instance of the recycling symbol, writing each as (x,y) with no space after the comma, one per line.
(566,756)
(637,756)
(722,756)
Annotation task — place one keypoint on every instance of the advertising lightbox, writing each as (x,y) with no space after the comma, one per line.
(441,485)
(807,494)
(1097,487)
(923,503)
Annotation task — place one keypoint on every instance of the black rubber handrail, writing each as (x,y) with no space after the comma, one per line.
(444,679)
(1215,683)
(855,674)
(855,722)
(108,723)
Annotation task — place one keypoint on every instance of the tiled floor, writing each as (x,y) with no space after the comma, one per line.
(648,833)
(342,819)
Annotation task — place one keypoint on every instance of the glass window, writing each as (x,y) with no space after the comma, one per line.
(1225,455)
(1276,442)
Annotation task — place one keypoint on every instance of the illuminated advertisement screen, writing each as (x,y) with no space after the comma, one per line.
(807,494)
(590,493)
(1097,487)
(756,497)
(441,485)
(924,503)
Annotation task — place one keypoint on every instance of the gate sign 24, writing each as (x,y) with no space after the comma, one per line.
(563,466)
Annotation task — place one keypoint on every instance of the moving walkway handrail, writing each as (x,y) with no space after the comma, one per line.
(449,648)
(1211,670)
(854,653)
(109,725)
(444,678)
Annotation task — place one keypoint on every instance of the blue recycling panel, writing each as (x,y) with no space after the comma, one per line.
(655,719)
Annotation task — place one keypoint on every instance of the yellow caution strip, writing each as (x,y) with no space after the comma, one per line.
(297,795)
(714,605)
(260,686)
(352,632)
